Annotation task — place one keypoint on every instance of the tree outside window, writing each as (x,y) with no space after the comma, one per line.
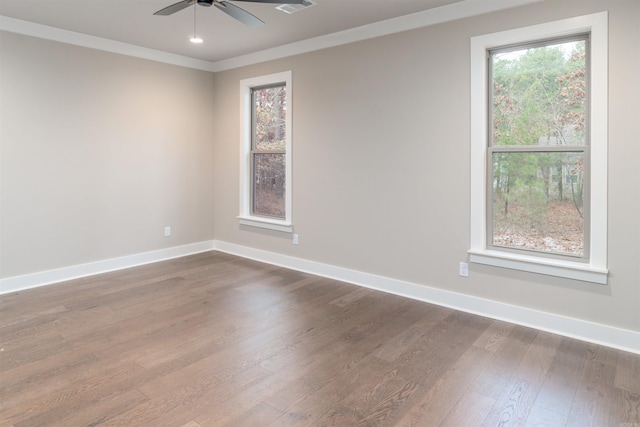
(266,152)
(269,150)
(538,147)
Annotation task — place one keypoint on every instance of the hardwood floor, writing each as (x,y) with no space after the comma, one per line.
(217,340)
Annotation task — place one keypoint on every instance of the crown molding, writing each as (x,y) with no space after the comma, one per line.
(439,15)
(451,12)
(27,28)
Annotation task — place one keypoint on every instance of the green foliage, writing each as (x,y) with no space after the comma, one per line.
(538,99)
(539,93)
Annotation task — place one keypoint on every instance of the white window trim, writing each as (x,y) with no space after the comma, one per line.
(246,217)
(596,269)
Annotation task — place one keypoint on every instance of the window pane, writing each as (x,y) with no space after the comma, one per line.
(539,95)
(269,184)
(270,109)
(538,201)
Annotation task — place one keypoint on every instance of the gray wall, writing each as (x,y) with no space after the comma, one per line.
(99,152)
(381,163)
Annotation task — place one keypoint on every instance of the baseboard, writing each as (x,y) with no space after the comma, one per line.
(33,280)
(609,336)
(575,328)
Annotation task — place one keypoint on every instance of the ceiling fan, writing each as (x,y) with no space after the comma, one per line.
(228,8)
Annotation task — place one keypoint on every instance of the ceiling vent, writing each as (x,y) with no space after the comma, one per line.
(293,8)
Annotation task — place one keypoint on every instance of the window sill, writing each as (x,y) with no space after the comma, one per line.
(550,267)
(271,224)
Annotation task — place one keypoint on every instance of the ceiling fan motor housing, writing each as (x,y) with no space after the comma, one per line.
(206,3)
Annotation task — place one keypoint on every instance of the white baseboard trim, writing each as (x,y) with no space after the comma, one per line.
(596,333)
(34,280)
(609,336)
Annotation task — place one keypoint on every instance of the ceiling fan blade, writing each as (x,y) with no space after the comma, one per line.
(177,7)
(238,13)
(276,1)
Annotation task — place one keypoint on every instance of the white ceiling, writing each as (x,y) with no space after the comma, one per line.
(132,21)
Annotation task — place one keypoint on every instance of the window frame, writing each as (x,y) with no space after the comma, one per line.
(246,215)
(594,267)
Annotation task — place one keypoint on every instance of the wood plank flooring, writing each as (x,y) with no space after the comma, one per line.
(216,340)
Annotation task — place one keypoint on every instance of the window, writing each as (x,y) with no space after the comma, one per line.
(265,165)
(539,147)
(268,150)
(538,154)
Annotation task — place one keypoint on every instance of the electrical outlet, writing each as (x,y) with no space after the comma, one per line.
(464,269)
(167,231)
(295,239)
